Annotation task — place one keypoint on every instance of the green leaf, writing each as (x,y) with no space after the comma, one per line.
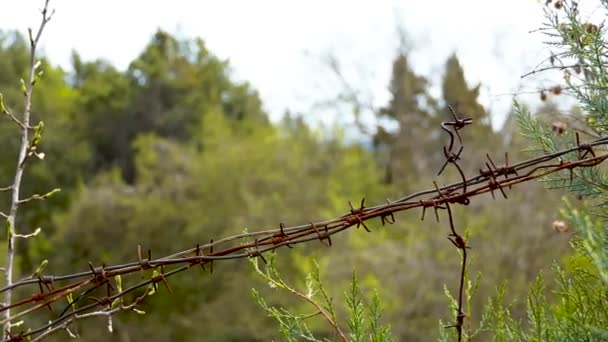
(118,280)
(9,228)
(70,298)
(2,106)
(23,87)
(40,268)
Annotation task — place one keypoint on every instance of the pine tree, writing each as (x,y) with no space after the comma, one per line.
(465,100)
(409,107)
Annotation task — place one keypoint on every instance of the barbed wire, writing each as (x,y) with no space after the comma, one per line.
(455,238)
(77,287)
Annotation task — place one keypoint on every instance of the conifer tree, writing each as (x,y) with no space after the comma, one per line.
(457,93)
(409,107)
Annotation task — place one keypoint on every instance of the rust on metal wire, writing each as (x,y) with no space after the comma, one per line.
(490,179)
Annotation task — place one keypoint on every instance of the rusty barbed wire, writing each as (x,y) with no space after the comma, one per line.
(79,286)
(455,238)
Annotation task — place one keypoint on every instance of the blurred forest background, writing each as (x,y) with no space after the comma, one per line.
(173,151)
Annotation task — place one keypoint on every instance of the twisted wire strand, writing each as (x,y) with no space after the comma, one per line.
(269,240)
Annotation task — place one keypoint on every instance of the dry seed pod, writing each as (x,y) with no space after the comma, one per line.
(560,226)
(559,127)
(590,28)
(556,90)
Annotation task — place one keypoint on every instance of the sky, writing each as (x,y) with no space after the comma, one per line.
(281,46)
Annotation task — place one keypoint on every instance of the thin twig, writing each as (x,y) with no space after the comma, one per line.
(30,235)
(104,313)
(323,312)
(42,197)
(553,67)
(24,124)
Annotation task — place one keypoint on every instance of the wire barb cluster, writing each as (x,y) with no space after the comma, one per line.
(455,238)
(48,290)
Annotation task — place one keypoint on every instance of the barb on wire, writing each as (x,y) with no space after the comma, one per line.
(459,242)
(255,244)
(457,125)
(455,238)
(451,157)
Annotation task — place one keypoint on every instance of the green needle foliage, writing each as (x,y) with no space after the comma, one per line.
(364,319)
(574,306)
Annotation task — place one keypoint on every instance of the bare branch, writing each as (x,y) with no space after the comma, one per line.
(103,313)
(31,235)
(38,197)
(553,67)
(23,151)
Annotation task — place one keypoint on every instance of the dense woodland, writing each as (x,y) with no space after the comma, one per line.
(173,150)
